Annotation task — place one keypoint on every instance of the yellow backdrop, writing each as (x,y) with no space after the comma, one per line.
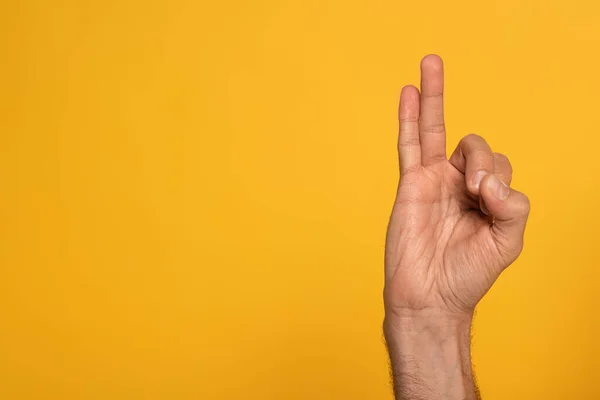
(195,194)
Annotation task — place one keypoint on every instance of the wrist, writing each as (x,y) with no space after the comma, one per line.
(433,346)
(446,336)
(433,321)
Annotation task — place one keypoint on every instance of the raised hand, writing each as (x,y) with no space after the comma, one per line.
(456,223)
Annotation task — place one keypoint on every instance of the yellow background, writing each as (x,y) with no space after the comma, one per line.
(195,194)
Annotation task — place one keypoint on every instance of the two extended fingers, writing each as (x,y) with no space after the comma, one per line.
(422,139)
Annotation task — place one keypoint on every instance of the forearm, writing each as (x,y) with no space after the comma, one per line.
(430,356)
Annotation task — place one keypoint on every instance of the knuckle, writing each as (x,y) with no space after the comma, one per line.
(503,161)
(435,128)
(501,157)
(408,141)
(473,138)
(523,206)
(474,147)
(526,205)
(437,96)
(484,155)
(408,119)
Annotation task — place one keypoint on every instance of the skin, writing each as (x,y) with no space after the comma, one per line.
(456,225)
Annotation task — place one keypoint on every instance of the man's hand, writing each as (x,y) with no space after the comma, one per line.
(455,226)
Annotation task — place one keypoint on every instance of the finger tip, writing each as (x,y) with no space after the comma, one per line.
(471,187)
(484,182)
(488,203)
(484,190)
(475,180)
(409,91)
(432,62)
(409,102)
(474,190)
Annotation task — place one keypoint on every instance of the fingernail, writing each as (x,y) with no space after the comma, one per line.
(498,188)
(478,177)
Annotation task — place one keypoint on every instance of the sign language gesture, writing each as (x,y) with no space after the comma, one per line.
(456,222)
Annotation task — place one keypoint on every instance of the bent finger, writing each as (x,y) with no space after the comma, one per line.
(474,158)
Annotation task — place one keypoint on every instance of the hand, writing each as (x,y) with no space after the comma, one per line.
(456,223)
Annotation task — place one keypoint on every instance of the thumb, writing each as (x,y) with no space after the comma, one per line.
(510,210)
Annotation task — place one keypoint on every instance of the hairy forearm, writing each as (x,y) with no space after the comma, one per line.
(430,356)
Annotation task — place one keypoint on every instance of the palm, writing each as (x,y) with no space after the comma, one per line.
(442,251)
(446,266)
